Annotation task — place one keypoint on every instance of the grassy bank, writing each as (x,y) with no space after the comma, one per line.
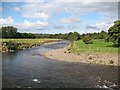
(78,52)
(8,45)
(97,46)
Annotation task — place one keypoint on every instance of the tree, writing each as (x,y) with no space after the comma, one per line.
(74,36)
(102,35)
(114,33)
(87,40)
(9,32)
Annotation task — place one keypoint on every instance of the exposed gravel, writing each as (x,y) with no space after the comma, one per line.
(85,57)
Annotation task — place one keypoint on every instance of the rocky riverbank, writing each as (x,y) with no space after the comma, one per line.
(100,58)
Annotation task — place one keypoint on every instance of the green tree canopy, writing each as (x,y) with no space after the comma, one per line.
(114,33)
(9,32)
(74,36)
(87,39)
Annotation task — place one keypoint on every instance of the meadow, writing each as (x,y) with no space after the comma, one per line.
(30,41)
(98,45)
(20,44)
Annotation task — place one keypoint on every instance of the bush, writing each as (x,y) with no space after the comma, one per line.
(90,57)
(65,52)
(78,53)
(116,45)
(69,49)
(87,40)
(12,45)
(69,52)
(111,62)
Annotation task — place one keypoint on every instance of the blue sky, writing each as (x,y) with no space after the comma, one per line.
(59,17)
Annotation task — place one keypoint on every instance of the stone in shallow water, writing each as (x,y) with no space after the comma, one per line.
(104,86)
(114,86)
(36,80)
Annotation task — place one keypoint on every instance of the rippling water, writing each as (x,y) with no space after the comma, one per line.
(30,69)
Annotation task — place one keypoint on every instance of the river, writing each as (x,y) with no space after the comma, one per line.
(30,69)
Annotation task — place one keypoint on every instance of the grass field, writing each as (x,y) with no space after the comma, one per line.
(20,44)
(30,41)
(97,46)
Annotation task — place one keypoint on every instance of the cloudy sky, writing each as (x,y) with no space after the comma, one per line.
(57,16)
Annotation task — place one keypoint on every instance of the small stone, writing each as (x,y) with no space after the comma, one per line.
(35,80)
(104,86)
(18,86)
(98,81)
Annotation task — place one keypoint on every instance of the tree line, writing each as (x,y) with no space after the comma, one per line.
(11,32)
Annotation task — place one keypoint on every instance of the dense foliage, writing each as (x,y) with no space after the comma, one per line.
(11,32)
(11,45)
(114,33)
(87,40)
(101,35)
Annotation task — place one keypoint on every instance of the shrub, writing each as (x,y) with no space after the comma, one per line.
(69,52)
(69,49)
(111,62)
(101,61)
(90,57)
(87,40)
(78,53)
(12,45)
(64,51)
(4,48)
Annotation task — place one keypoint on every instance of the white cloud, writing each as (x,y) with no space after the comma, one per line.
(104,25)
(99,26)
(6,21)
(70,20)
(41,10)
(32,25)
(23,0)
(45,10)
(60,0)
(86,0)
(92,27)
(39,15)
(16,8)
(25,25)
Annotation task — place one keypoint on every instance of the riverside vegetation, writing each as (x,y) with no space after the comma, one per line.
(103,49)
(99,45)
(99,52)
(10,45)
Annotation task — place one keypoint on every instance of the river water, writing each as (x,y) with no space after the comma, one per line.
(30,69)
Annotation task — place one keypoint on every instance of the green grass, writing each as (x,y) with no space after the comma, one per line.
(97,46)
(36,41)
(20,44)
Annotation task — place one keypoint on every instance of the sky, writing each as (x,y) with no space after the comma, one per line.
(58,16)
